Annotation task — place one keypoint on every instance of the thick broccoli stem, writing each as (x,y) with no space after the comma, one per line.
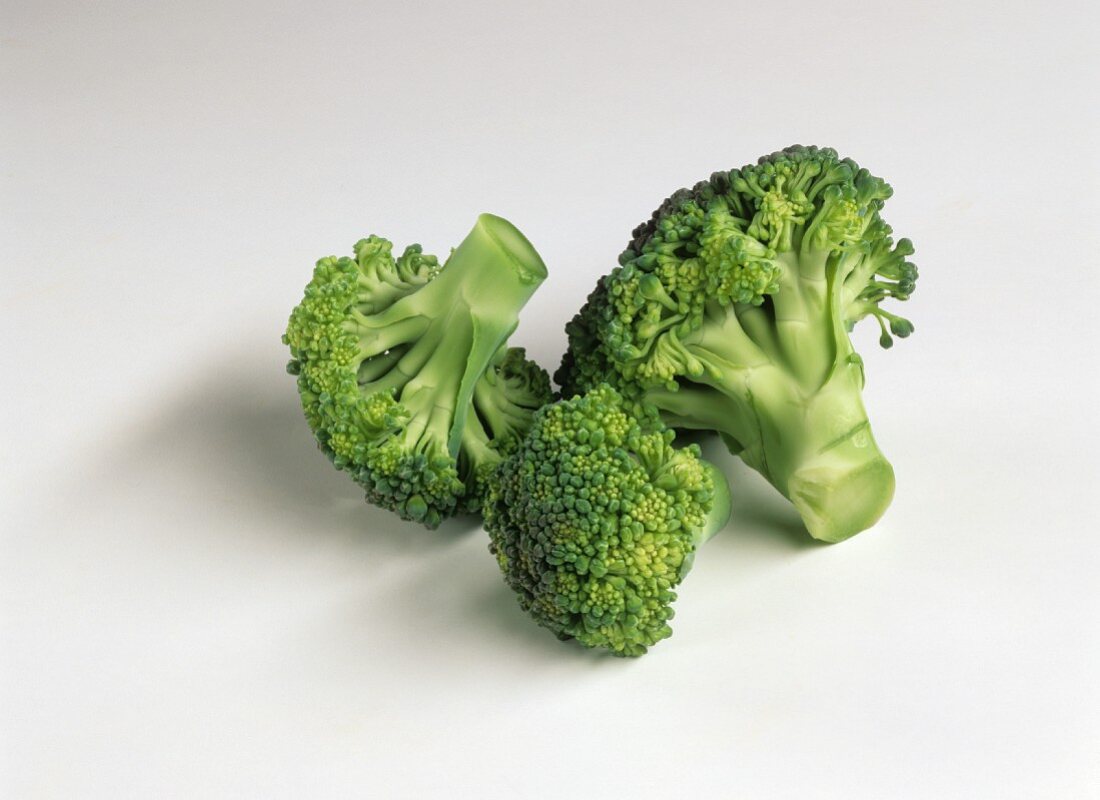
(812,438)
(812,442)
(503,272)
(801,316)
(451,330)
(818,450)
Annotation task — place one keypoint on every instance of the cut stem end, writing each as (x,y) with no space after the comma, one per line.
(837,505)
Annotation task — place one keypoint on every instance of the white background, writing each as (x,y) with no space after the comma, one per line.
(196,605)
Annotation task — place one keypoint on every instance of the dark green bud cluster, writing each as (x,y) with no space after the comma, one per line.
(718,243)
(585,364)
(593,519)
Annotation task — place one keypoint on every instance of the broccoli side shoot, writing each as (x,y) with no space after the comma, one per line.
(730,311)
(390,352)
(594,519)
(504,403)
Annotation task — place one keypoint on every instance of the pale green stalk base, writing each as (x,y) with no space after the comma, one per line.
(820,453)
(816,449)
(846,494)
(493,273)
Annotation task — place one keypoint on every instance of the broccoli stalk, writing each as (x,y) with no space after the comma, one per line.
(390,354)
(731,312)
(595,518)
(815,446)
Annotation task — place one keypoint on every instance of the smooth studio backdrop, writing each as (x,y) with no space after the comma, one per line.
(194,604)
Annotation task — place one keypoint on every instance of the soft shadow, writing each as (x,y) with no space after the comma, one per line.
(242,432)
(760,516)
(496,605)
(235,443)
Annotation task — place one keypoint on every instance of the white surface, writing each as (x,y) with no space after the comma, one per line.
(196,605)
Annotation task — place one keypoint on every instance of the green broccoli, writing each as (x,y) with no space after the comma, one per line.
(731,312)
(504,403)
(403,371)
(594,519)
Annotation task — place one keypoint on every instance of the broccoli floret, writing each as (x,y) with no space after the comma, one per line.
(595,517)
(399,360)
(730,311)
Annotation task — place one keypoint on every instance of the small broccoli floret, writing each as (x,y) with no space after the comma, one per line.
(595,517)
(730,311)
(390,354)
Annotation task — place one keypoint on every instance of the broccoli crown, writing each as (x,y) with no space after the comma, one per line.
(722,243)
(389,353)
(594,518)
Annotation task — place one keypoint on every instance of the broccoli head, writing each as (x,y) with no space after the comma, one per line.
(594,519)
(731,311)
(403,370)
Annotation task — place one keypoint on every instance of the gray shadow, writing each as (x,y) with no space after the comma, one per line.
(237,439)
(760,517)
